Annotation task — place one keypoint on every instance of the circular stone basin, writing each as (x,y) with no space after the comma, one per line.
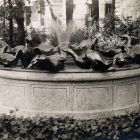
(77,93)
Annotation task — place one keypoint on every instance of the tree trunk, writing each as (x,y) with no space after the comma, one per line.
(4,3)
(113,12)
(20,22)
(10,24)
(95,12)
(21,31)
(11,31)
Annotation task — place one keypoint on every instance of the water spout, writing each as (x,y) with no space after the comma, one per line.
(63,33)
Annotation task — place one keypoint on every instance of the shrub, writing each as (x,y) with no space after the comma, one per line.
(53,38)
(5,35)
(133,27)
(37,37)
(77,36)
(65,128)
(114,25)
(81,34)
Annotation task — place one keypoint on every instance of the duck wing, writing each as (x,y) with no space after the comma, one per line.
(53,63)
(80,61)
(98,61)
(100,66)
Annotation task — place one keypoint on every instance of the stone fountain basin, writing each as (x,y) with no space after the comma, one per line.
(77,93)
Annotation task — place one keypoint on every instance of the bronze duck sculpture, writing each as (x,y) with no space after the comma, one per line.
(78,52)
(10,60)
(97,61)
(90,58)
(129,54)
(7,59)
(52,63)
(79,59)
(134,52)
(27,53)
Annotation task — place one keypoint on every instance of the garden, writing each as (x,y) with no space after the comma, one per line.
(112,47)
(112,43)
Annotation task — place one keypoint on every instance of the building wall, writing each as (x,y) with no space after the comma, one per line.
(48,23)
(123,8)
(102,8)
(81,12)
(128,8)
(35,16)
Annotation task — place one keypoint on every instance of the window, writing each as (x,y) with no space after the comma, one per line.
(108,7)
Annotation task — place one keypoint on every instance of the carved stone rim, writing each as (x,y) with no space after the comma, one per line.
(69,76)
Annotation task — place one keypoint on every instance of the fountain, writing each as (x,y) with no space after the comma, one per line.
(90,89)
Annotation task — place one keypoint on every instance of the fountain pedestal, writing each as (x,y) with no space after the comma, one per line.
(81,94)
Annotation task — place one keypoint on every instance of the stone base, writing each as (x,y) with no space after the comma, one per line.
(82,95)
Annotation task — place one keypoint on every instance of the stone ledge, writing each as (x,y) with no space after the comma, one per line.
(75,114)
(82,95)
(74,75)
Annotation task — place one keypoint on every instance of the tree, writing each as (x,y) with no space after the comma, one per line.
(13,10)
(18,15)
(113,12)
(10,22)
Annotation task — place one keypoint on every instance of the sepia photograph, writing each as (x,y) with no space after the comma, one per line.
(69,69)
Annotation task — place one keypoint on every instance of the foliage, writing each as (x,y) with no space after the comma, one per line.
(53,39)
(79,35)
(133,27)
(108,24)
(114,25)
(4,34)
(109,41)
(65,128)
(13,12)
(108,36)
(16,9)
(110,45)
(37,37)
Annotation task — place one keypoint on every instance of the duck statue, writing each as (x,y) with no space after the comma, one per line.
(53,62)
(90,59)
(97,61)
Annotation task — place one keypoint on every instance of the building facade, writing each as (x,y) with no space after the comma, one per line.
(81,13)
(128,8)
(78,12)
(122,8)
